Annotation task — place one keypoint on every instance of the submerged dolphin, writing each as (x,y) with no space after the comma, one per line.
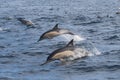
(56,31)
(25,22)
(62,53)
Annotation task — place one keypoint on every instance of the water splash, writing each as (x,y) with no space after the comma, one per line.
(70,37)
(83,46)
(89,47)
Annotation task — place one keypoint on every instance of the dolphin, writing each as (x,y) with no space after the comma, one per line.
(25,22)
(55,31)
(62,54)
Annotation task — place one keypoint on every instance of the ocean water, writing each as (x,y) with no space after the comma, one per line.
(21,54)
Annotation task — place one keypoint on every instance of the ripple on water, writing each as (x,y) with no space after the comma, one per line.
(87,69)
(52,18)
(33,53)
(5,78)
(7,59)
(34,71)
(2,47)
(113,37)
(7,56)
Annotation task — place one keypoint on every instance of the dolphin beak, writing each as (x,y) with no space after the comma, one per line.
(45,63)
(39,39)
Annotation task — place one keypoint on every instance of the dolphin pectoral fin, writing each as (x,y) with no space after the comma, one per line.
(49,37)
(63,62)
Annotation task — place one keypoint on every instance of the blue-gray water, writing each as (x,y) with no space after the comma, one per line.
(21,54)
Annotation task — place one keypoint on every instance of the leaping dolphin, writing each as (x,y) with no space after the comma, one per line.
(61,54)
(56,31)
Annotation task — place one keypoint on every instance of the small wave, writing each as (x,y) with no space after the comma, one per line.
(7,56)
(5,29)
(2,47)
(113,52)
(52,18)
(111,67)
(85,69)
(5,78)
(96,68)
(114,37)
(81,18)
(32,53)
(91,30)
(34,71)
(91,22)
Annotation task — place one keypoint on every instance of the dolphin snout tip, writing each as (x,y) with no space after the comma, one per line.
(40,39)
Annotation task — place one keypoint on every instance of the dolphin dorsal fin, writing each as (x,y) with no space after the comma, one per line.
(55,27)
(70,43)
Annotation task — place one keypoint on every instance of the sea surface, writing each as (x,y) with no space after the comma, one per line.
(21,54)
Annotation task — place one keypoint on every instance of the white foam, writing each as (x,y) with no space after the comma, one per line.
(88,46)
(80,52)
(69,37)
(78,38)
